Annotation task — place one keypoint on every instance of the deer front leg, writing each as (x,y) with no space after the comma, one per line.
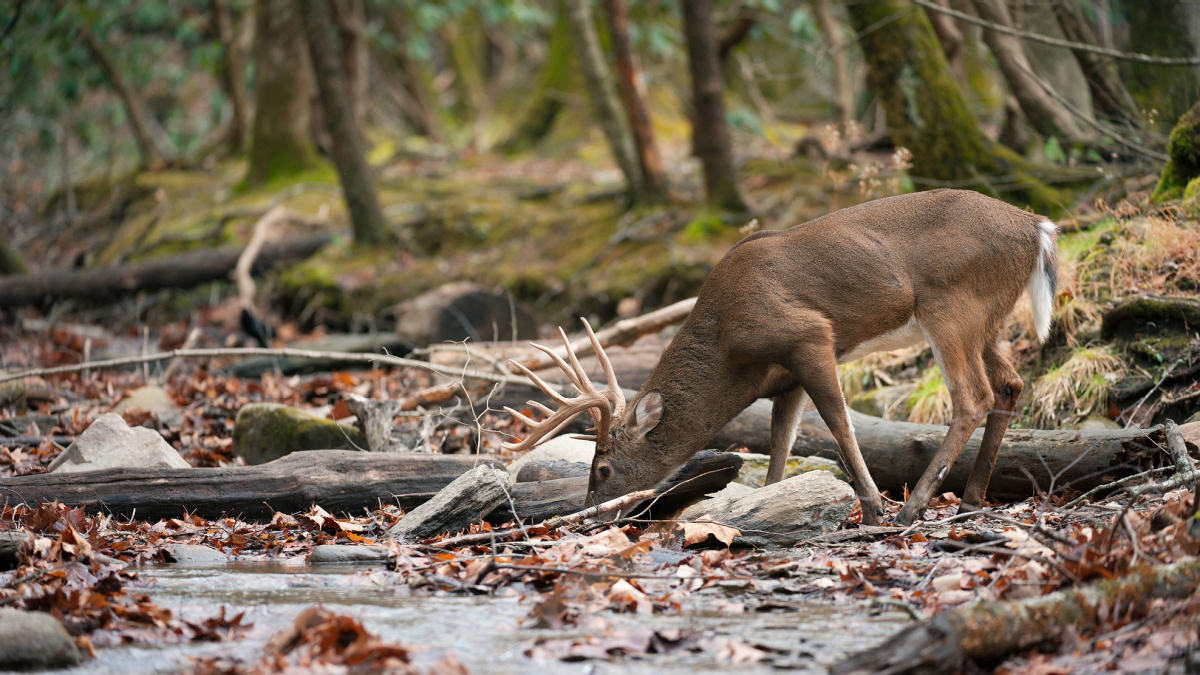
(786,412)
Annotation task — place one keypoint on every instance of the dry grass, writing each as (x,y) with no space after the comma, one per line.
(930,403)
(1156,253)
(1074,312)
(1069,393)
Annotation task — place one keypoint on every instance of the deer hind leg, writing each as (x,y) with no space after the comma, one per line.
(816,369)
(786,413)
(1006,389)
(959,353)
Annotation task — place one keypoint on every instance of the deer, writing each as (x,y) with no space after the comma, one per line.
(783,308)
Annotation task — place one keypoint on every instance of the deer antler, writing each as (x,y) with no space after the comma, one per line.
(604,406)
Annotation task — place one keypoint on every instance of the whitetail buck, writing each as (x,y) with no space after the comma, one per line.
(782,309)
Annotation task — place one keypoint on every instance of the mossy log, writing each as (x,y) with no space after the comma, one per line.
(1159,310)
(1183,148)
(987,631)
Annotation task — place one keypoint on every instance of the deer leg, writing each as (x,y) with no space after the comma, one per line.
(786,412)
(818,376)
(964,375)
(1006,389)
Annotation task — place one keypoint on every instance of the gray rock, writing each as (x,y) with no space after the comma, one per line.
(733,490)
(111,443)
(559,447)
(470,497)
(345,553)
(194,553)
(790,510)
(460,310)
(151,399)
(34,640)
(10,544)
(551,469)
(754,468)
(264,432)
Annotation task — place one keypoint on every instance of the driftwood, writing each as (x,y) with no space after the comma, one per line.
(340,481)
(183,270)
(987,631)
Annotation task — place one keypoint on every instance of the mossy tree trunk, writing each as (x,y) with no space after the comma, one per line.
(1109,94)
(710,132)
(416,80)
(606,105)
(463,40)
(282,143)
(1183,148)
(1161,27)
(839,57)
(547,98)
(366,216)
(233,74)
(350,18)
(654,179)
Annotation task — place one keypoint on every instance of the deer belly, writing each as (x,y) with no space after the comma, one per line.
(905,336)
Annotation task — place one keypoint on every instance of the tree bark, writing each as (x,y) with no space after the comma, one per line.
(710,133)
(1109,94)
(1046,115)
(843,84)
(654,179)
(462,45)
(425,117)
(282,143)
(606,106)
(735,35)
(950,36)
(139,120)
(233,74)
(177,271)
(366,216)
(548,96)
(350,18)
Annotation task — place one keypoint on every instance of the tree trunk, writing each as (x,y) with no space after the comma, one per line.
(139,120)
(1046,115)
(366,217)
(350,19)
(425,116)
(1109,94)
(1164,28)
(735,35)
(462,42)
(710,133)
(843,84)
(233,74)
(654,180)
(950,36)
(282,144)
(1183,149)
(606,106)
(548,96)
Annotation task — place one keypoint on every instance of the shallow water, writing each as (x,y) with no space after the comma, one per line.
(482,632)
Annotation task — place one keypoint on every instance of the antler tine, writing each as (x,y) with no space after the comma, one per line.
(546,388)
(612,391)
(558,361)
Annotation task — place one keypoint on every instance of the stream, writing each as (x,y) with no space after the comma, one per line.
(485,633)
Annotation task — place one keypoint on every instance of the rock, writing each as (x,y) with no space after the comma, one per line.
(460,310)
(370,343)
(469,498)
(10,544)
(754,468)
(110,443)
(34,640)
(151,399)
(886,402)
(267,431)
(194,553)
(792,509)
(559,447)
(551,469)
(733,490)
(346,553)
(1097,423)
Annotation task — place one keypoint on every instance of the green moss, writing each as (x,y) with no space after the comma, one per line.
(1183,148)
(699,229)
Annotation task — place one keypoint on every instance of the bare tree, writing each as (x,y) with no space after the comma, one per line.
(233,74)
(424,114)
(843,85)
(366,216)
(1109,94)
(710,133)
(351,19)
(547,98)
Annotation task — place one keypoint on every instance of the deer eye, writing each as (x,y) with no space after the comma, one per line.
(604,471)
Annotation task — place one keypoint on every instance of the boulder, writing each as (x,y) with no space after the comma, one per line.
(151,399)
(193,554)
(347,553)
(110,443)
(471,497)
(10,545)
(733,490)
(781,514)
(754,468)
(559,447)
(267,431)
(34,640)
(459,311)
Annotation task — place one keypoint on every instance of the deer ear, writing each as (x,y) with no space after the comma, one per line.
(647,412)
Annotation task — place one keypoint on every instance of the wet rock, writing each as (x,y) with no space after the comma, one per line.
(267,431)
(459,311)
(754,468)
(559,447)
(111,443)
(469,498)
(784,513)
(34,640)
(10,545)
(151,399)
(346,553)
(193,553)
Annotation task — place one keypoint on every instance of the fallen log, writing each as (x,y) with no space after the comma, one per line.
(897,453)
(340,481)
(177,271)
(988,631)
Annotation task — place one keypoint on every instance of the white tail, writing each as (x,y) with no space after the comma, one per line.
(1042,281)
